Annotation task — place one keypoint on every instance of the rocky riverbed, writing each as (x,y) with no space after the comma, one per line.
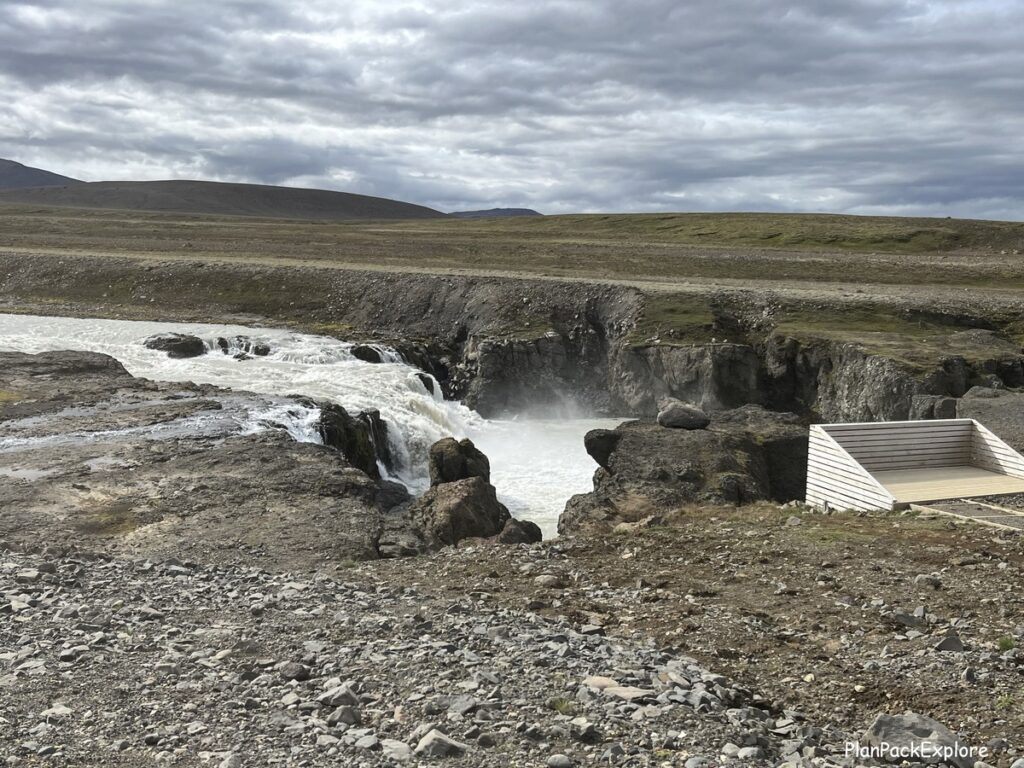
(91,455)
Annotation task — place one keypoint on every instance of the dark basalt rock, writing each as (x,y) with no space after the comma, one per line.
(379,436)
(452,460)
(519,532)
(748,454)
(448,513)
(177,345)
(366,353)
(600,444)
(676,414)
(427,382)
(350,435)
(246,345)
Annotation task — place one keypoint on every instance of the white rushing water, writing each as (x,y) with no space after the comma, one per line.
(535,465)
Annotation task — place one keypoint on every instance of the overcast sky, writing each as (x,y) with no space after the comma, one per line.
(863,106)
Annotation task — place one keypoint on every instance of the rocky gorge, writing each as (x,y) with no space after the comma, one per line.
(526,345)
(212,540)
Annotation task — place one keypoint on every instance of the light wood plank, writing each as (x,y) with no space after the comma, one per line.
(917,485)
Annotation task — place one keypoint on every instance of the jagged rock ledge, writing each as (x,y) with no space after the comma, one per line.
(97,458)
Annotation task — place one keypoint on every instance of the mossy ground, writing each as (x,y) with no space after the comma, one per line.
(113,519)
(7,396)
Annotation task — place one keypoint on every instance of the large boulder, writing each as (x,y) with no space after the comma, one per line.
(676,414)
(748,454)
(352,436)
(519,532)
(366,353)
(452,460)
(893,736)
(178,345)
(448,513)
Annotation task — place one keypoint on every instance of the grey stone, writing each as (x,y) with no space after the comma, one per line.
(178,345)
(550,581)
(676,414)
(149,613)
(928,580)
(368,742)
(339,695)
(346,714)
(438,744)
(559,761)
(950,643)
(912,730)
(628,693)
(292,670)
(396,750)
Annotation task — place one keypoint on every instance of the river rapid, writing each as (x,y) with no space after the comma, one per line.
(536,465)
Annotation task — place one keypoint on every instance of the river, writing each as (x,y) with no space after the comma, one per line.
(536,465)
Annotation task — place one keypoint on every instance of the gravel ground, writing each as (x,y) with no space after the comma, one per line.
(121,663)
(695,644)
(841,616)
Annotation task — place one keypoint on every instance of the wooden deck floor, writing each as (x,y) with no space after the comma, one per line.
(938,483)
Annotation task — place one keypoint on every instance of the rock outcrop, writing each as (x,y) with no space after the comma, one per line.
(353,436)
(646,470)
(451,460)
(460,504)
(464,509)
(366,353)
(179,345)
(712,376)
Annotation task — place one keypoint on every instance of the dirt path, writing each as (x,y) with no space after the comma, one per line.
(921,295)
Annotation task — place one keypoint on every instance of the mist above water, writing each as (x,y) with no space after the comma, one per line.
(536,464)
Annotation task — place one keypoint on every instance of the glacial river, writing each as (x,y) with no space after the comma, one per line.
(536,465)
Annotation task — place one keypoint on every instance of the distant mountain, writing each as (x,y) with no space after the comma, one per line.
(17,176)
(495,213)
(219,198)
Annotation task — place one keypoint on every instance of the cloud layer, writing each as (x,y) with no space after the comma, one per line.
(865,106)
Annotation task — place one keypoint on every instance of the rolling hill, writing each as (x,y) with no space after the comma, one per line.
(495,213)
(219,198)
(17,176)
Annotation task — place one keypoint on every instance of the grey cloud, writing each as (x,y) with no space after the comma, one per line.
(899,106)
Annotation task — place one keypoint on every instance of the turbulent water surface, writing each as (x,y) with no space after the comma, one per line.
(535,465)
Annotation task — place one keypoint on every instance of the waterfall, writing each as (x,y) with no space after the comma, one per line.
(536,465)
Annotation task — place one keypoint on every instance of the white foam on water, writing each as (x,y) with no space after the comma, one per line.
(535,465)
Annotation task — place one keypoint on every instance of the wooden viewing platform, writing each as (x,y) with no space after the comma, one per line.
(892,464)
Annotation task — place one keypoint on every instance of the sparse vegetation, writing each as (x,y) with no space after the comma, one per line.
(768,247)
(562,705)
(1006,643)
(675,319)
(7,396)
